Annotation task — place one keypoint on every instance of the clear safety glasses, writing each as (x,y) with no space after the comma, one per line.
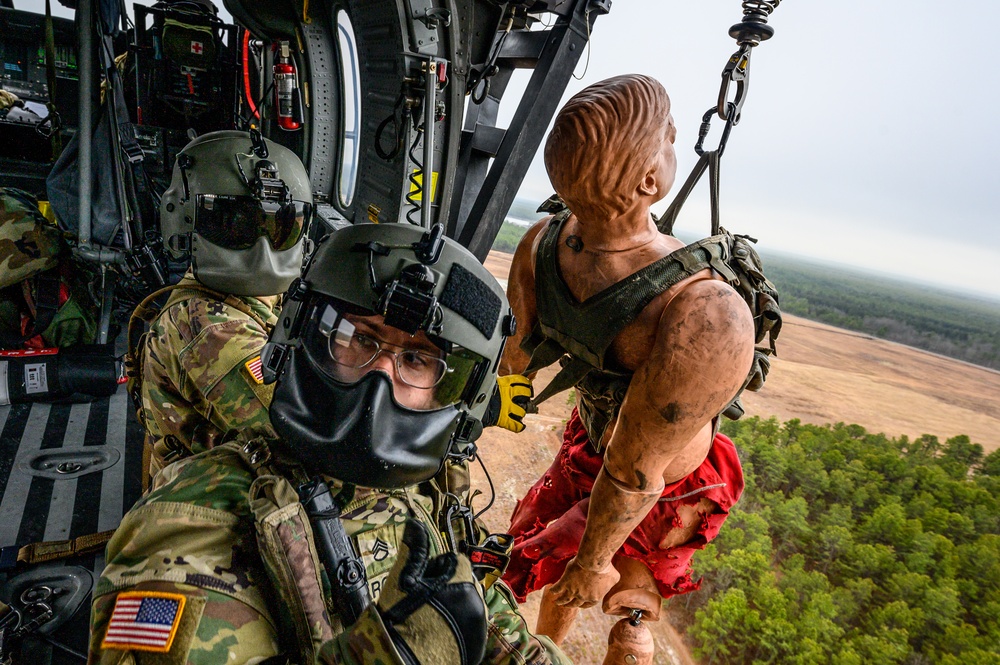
(346,354)
(418,369)
(237,222)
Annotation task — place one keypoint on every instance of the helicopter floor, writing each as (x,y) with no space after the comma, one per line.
(66,470)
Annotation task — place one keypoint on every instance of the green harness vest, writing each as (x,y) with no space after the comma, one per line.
(578,334)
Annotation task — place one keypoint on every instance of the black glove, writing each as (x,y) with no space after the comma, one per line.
(433,609)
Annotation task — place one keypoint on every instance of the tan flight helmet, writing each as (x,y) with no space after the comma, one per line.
(239,206)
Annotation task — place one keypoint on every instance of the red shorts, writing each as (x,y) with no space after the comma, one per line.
(549,521)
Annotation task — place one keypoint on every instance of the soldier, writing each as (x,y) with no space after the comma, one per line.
(238,207)
(385,354)
(643,479)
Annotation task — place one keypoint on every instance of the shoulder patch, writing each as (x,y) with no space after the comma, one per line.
(254,368)
(144,621)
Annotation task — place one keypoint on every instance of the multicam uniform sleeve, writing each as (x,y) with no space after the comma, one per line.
(219,368)
(509,641)
(184,583)
(203,365)
(367,642)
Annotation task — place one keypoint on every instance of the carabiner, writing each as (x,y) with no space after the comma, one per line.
(737,71)
(706,125)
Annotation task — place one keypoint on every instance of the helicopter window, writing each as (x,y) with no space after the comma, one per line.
(352,107)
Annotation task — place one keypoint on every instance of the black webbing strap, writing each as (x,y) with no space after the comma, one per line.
(571,374)
(709,161)
(52,121)
(46,299)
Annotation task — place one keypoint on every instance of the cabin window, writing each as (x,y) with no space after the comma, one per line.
(351,94)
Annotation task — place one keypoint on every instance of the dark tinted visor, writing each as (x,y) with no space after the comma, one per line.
(236,222)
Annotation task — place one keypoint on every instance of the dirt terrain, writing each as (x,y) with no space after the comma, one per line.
(821,375)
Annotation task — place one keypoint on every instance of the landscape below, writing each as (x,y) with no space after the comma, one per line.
(869,528)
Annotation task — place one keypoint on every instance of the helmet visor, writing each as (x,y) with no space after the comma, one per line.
(424,377)
(236,222)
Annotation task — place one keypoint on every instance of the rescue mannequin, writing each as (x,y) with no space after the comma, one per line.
(642,479)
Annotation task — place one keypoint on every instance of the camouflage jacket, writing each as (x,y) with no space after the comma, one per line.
(220,553)
(199,377)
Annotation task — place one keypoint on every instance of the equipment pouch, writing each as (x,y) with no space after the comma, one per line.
(285,539)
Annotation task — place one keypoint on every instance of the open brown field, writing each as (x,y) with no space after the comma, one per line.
(821,375)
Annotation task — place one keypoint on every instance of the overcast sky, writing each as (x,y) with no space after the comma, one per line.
(867,138)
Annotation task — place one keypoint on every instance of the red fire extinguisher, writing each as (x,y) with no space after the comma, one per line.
(286,91)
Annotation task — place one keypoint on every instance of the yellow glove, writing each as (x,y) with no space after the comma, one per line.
(509,403)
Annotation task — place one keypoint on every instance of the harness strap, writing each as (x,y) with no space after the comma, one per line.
(658,277)
(571,374)
(709,161)
(46,300)
(50,75)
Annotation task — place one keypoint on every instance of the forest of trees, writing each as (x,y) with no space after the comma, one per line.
(850,548)
(949,324)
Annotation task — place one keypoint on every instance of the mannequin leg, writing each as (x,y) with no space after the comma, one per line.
(555,621)
(630,643)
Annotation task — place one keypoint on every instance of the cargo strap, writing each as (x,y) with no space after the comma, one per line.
(53,550)
(51,124)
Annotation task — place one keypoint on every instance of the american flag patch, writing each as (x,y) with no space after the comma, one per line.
(254,367)
(144,621)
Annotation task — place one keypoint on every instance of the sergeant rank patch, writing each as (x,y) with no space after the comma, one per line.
(254,367)
(144,621)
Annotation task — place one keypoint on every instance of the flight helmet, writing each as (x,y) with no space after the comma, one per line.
(343,421)
(238,205)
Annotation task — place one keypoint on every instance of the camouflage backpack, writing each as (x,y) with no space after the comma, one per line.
(28,243)
(35,267)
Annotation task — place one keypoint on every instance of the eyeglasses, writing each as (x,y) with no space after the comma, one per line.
(419,369)
(237,222)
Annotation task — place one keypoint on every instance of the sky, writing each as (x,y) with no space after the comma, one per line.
(866,138)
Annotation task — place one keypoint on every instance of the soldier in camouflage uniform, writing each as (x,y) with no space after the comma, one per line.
(237,207)
(383,371)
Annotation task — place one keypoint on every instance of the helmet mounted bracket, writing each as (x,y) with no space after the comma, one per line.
(409,303)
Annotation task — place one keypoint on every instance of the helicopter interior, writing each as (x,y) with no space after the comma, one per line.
(392,105)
